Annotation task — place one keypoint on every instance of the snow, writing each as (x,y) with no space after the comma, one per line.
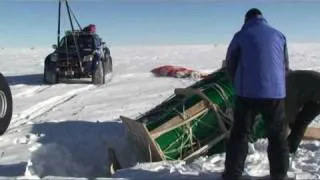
(65,130)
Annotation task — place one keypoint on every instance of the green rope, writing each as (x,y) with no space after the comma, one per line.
(184,141)
(187,136)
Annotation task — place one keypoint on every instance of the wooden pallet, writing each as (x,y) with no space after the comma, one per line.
(312,133)
(138,133)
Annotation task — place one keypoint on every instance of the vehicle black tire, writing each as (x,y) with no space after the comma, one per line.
(98,77)
(49,77)
(109,64)
(104,65)
(107,51)
(5,105)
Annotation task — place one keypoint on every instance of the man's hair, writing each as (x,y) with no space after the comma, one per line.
(254,12)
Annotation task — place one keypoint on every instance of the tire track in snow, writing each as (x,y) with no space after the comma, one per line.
(44,106)
(31,91)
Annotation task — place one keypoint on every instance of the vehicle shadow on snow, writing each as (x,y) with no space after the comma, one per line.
(13,170)
(37,79)
(28,79)
(75,148)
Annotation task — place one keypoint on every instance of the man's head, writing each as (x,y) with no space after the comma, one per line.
(252,13)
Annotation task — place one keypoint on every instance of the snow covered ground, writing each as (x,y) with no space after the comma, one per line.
(64,130)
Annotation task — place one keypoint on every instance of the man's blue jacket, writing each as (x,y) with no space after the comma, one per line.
(257,61)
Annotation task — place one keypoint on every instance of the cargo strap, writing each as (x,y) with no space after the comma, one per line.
(187,115)
(206,147)
(179,120)
(212,106)
(226,115)
(222,118)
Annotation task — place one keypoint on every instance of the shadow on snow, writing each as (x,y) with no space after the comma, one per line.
(76,148)
(13,170)
(29,79)
(37,79)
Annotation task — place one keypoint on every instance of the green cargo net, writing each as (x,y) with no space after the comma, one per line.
(208,126)
(183,140)
(177,103)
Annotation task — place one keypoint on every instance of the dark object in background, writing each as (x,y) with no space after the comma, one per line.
(79,54)
(95,59)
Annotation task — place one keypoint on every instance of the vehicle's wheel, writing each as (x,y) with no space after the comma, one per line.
(104,65)
(107,51)
(49,77)
(109,64)
(98,74)
(5,104)
(108,59)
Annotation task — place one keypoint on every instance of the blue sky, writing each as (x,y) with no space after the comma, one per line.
(143,22)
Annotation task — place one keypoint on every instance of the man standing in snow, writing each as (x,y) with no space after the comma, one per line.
(257,62)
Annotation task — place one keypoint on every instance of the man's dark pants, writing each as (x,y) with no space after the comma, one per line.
(273,113)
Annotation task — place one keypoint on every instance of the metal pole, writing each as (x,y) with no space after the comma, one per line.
(70,19)
(74,17)
(74,38)
(59,15)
